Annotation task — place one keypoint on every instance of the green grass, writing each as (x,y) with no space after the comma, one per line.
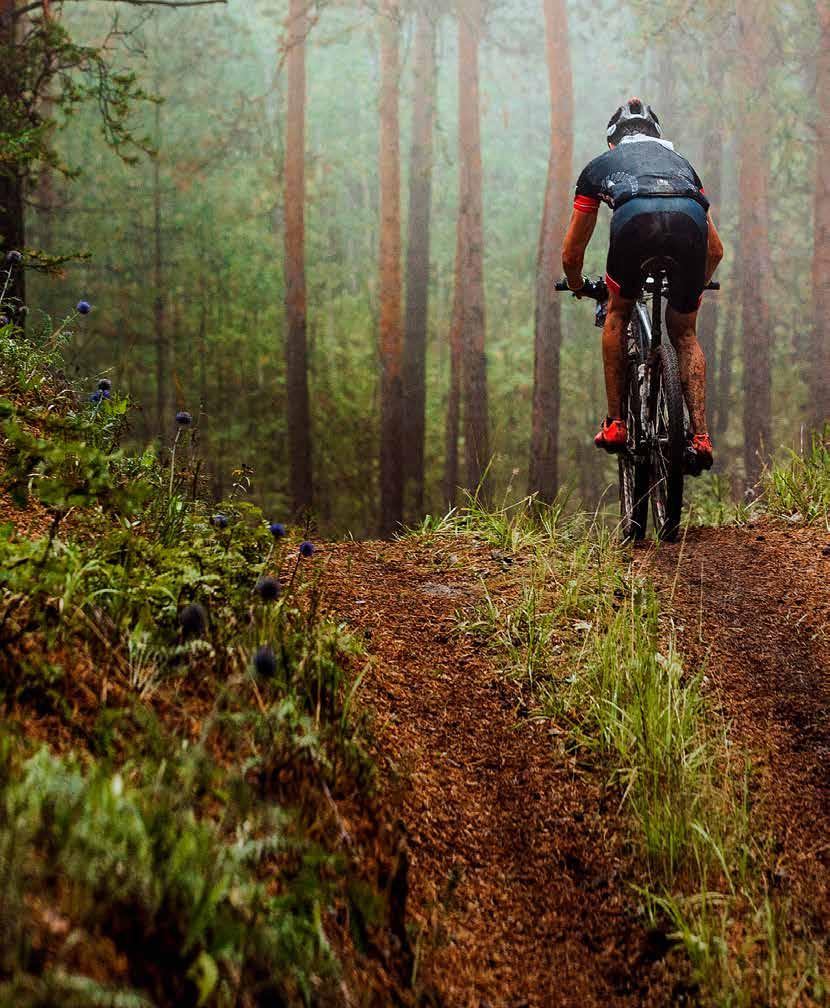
(180,840)
(798,489)
(575,624)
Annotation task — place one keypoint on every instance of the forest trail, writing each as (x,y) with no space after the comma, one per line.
(517,857)
(518,860)
(753,606)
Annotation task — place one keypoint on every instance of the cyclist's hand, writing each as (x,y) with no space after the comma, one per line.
(577,292)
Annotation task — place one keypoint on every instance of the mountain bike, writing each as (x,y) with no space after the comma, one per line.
(658,453)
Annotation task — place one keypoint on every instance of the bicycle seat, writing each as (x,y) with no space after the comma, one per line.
(658,266)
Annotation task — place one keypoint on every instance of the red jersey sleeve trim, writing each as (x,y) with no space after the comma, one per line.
(586,204)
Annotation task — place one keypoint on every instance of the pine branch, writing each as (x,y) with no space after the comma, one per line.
(36,4)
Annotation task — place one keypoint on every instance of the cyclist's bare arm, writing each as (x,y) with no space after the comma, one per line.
(714,253)
(576,242)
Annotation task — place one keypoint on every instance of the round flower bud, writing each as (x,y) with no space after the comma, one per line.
(268,589)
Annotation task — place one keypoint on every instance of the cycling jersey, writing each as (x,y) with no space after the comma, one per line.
(638,166)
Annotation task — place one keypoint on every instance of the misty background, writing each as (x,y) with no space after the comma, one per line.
(187,247)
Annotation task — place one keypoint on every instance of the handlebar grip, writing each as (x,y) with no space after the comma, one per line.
(561,285)
(713,285)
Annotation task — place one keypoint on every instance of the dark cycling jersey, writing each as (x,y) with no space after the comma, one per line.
(638,166)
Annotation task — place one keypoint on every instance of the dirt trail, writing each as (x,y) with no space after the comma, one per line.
(754,605)
(516,859)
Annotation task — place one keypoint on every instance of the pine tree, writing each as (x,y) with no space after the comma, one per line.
(296,343)
(544,449)
(391,323)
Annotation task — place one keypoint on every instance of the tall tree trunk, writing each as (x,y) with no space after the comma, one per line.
(296,339)
(544,445)
(162,345)
(12,222)
(723,389)
(474,368)
(390,320)
(453,427)
(820,365)
(754,236)
(713,180)
(417,265)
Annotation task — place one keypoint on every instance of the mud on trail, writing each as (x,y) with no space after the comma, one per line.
(753,606)
(518,859)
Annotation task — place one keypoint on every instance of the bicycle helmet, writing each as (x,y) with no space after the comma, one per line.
(633,117)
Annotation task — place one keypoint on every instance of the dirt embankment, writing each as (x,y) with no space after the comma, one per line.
(753,605)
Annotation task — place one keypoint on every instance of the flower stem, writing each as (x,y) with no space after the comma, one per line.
(173,461)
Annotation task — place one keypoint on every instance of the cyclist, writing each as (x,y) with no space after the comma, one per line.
(659,209)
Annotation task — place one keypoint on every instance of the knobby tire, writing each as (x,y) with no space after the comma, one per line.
(634,472)
(669,443)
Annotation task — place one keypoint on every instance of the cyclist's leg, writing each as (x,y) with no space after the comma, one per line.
(624,283)
(613,347)
(687,243)
(683,333)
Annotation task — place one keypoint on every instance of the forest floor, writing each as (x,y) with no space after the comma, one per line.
(520,883)
(754,607)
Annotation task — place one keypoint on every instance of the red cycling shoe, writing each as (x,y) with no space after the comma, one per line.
(613,435)
(702,447)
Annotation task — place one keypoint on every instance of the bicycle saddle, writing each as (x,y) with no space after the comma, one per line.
(658,266)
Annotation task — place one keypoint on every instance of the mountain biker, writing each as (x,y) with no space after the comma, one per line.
(659,209)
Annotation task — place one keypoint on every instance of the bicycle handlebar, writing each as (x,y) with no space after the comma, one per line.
(597,289)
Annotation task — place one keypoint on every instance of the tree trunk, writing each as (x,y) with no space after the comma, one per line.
(390,319)
(474,367)
(12,222)
(544,446)
(164,421)
(723,389)
(754,236)
(417,266)
(820,365)
(453,427)
(296,340)
(713,178)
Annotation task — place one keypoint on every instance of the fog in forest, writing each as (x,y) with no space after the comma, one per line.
(186,248)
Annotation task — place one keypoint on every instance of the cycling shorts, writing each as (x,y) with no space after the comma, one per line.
(669,226)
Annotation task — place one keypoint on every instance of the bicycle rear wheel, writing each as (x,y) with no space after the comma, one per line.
(668,438)
(634,468)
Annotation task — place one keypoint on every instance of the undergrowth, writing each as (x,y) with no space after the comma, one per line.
(184,782)
(579,626)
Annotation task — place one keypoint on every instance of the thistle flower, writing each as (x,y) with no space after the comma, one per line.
(13,257)
(268,589)
(105,385)
(307,549)
(220,521)
(96,396)
(265,664)
(3,320)
(277,530)
(184,419)
(84,308)
(193,621)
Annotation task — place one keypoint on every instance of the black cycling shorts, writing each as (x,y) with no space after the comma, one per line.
(672,227)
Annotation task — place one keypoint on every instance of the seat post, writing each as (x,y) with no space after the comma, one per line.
(657,310)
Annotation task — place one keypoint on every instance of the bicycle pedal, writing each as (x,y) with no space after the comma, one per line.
(693,465)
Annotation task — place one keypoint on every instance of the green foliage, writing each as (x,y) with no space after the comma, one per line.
(52,71)
(799,489)
(182,869)
(132,857)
